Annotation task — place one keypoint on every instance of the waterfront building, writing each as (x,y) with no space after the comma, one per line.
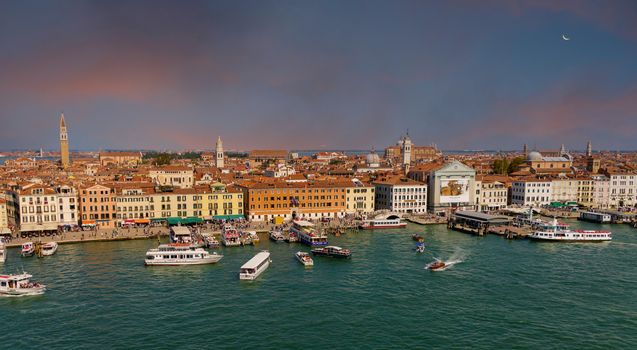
(4,217)
(585,191)
(264,201)
(98,206)
(219,162)
(360,198)
(135,203)
(65,159)
(38,208)
(173,175)
(623,189)
(601,191)
(531,192)
(564,190)
(222,202)
(120,158)
(68,205)
(490,194)
(177,203)
(451,187)
(400,195)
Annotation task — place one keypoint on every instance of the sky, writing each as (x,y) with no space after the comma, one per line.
(318,74)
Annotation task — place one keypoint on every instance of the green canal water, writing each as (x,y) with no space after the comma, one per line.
(505,295)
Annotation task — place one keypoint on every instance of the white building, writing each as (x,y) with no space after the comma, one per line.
(623,189)
(38,208)
(400,195)
(531,192)
(280,170)
(490,195)
(451,187)
(601,192)
(67,205)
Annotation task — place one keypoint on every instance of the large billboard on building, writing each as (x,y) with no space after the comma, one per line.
(454,191)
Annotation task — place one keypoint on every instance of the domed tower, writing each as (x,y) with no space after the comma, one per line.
(372,160)
(219,153)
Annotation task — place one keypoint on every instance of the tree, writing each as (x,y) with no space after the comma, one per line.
(515,164)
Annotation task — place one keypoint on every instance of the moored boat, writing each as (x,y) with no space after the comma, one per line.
(255,266)
(556,232)
(28,249)
(276,236)
(292,237)
(308,234)
(304,258)
(179,254)
(229,236)
(382,224)
(333,251)
(211,241)
(49,248)
(253,236)
(600,218)
(20,285)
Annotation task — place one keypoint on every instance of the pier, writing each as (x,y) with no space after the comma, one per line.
(476,223)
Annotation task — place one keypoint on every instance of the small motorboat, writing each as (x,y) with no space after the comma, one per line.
(49,248)
(212,242)
(333,251)
(28,249)
(20,285)
(420,247)
(418,238)
(304,258)
(436,265)
(277,236)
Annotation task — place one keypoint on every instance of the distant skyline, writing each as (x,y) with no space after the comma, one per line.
(318,74)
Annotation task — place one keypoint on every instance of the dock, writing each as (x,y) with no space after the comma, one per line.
(481,223)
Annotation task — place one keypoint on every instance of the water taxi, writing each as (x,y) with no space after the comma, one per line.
(3,253)
(48,249)
(304,258)
(420,247)
(600,218)
(179,254)
(211,241)
(382,224)
(557,232)
(229,236)
(333,251)
(28,249)
(20,285)
(255,266)
(276,236)
(308,234)
(439,265)
(254,237)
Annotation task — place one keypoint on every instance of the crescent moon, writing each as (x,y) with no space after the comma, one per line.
(565,37)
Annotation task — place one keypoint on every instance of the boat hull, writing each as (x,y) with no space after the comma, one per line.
(378,227)
(569,240)
(23,292)
(338,256)
(176,262)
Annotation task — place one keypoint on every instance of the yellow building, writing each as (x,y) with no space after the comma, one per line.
(359,198)
(222,202)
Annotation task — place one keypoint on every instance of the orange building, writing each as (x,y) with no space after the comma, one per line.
(97,206)
(290,200)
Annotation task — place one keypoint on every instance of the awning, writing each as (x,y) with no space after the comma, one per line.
(142,221)
(157,219)
(228,217)
(129,221)
(184,221)
(88,222)
(5,231)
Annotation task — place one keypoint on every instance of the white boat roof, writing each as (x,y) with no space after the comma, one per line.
(304,223)
(181,230)
(334,247)
(256,260)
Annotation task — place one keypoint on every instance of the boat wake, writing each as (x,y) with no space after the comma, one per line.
(438,264)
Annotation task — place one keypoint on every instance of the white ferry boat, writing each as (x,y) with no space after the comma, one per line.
(255,266)
(382,223)
(557,232)
(28,249)
(304,258)
(179,254)
(49,248)
(229,236)
(601,218)
(307,234)
(20,285)
(3,253)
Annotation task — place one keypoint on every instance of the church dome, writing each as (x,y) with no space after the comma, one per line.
(372,160)
(534,156)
